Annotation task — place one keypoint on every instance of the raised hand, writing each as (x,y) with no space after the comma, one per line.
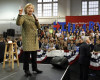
(20,11)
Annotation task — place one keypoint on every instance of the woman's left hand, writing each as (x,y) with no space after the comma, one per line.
(36,19)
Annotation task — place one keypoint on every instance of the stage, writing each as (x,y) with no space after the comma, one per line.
(49,73)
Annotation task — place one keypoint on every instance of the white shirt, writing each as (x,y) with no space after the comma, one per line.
(58,34)
(82,32)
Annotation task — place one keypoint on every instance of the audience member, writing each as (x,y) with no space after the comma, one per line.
(97,46)
(2,49)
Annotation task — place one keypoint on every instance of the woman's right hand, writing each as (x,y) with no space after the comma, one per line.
(20,11)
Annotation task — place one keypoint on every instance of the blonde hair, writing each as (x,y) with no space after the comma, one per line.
(26,6)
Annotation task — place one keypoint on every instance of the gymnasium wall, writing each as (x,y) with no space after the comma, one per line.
(8,14)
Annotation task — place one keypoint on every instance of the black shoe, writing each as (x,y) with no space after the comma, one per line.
(27,73)
(38,71)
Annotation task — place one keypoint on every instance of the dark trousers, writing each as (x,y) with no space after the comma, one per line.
(84,70)
(27,60)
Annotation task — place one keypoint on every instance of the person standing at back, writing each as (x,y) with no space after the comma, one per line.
(2,49)
(84,58)
(30,43)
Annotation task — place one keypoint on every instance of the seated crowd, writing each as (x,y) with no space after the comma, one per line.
(60,39)
(50,39)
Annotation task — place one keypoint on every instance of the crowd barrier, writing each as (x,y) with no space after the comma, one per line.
(72,56)
(95,61)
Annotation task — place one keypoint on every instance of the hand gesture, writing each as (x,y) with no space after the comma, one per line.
(36,19)
(20,11)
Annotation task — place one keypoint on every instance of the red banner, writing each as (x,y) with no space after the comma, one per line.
(80,20)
